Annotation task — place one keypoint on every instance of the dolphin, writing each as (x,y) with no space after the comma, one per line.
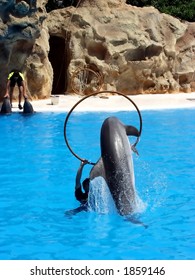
(6,106)
(28,108)
(116,165)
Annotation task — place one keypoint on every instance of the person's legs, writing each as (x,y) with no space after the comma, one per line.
(11,90)
(20,97)
(22,92)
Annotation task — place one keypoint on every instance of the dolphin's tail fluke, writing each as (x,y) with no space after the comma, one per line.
(6,106)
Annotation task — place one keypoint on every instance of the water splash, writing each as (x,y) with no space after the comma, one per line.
(152,185)
(140,205)
(101,201)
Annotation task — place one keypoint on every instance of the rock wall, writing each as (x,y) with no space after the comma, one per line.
(135,50)
(24,45)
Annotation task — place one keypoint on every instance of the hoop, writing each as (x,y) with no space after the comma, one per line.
(88,75)
(87,79)
(92,94)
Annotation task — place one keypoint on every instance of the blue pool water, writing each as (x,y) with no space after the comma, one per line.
(37,175)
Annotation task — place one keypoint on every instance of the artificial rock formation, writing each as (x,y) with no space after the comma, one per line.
(24,45)
(136,50)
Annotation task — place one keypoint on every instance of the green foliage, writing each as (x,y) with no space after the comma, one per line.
(183,9)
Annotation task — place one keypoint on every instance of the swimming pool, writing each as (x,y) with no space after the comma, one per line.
(37,187)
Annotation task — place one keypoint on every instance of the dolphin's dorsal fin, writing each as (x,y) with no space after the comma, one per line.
(131,130)
(97,170)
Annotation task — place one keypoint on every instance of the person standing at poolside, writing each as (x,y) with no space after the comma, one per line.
(16,77)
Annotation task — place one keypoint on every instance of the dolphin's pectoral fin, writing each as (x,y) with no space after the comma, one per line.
(134,220)
(97,170)
(131,130)
(70,213)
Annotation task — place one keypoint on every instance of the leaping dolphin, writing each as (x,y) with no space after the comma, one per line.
(116,165)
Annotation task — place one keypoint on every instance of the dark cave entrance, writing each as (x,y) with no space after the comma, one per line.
(59,60)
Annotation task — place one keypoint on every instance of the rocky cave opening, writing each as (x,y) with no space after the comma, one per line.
(59,60)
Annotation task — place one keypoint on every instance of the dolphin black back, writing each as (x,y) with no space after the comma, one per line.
(6,106)
(28,108)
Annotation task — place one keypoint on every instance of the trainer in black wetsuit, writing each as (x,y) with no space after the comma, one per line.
(16,77)
(81,196)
